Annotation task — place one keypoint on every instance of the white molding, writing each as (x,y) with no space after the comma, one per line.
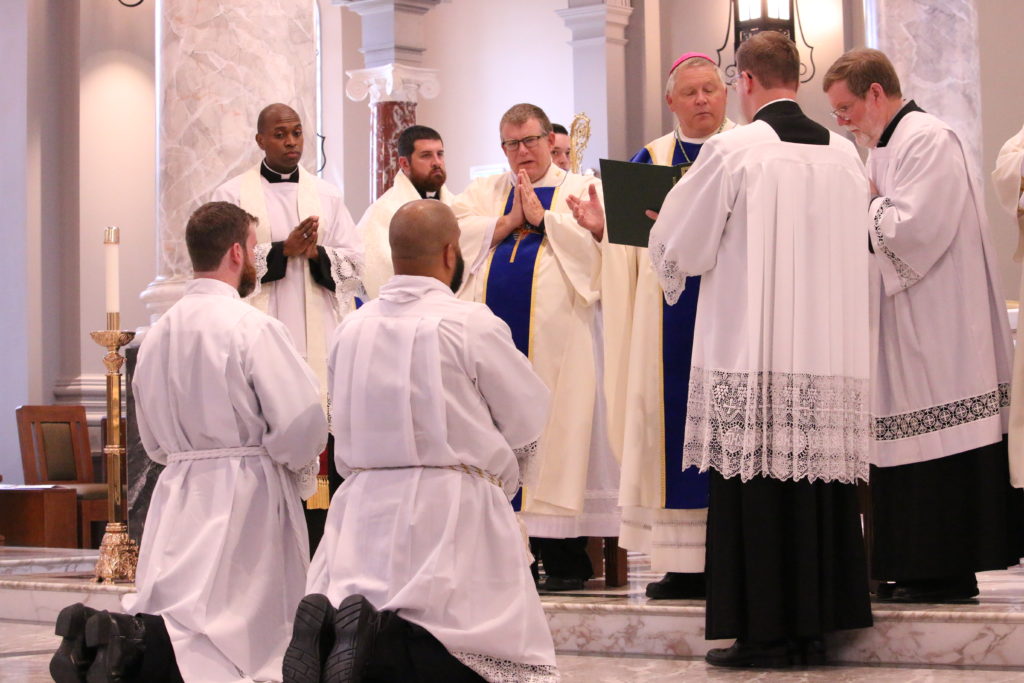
(392,83)
(392,30)
(89,390)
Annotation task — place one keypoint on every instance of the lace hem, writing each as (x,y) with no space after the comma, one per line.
(906,274)
(776,424)
(305,479)
(673,280)
(936,418)
(496,670)
(525,456)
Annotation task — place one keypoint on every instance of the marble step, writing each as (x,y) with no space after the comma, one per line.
(20,560)
(986,633)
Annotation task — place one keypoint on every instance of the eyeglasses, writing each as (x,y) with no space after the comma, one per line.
(530,142)
(731,82)
(842,112)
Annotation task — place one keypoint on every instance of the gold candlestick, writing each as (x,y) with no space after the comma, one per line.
(579,136)
(119,554)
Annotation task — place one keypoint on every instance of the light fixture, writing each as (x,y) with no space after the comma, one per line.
(749,17)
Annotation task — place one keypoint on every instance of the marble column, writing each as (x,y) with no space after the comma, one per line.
(934,46)
(220,63)
(599,72)
(393,90)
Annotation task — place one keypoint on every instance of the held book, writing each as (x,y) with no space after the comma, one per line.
(629,190)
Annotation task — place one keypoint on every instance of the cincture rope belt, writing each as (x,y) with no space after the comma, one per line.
(465,469)
(213,453)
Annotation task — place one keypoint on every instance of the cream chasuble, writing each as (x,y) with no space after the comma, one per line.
(943,364)
(674,536)
(559,304)
(1008,179)
(373,230)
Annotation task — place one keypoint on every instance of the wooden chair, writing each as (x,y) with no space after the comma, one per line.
(55,450)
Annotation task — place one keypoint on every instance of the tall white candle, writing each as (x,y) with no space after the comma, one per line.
(111,238)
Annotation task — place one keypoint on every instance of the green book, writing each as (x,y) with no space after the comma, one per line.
(630,189)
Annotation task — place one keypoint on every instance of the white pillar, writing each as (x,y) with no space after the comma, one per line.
(221,62)
(599,72)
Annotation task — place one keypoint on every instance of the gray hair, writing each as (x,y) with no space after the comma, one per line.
(692,63)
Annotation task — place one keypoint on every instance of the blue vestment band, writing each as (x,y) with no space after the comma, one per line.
(509,287)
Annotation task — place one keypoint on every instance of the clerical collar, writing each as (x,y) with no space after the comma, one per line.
(273,176)
(697,141)
(428,194)
(768,104)
(891,128)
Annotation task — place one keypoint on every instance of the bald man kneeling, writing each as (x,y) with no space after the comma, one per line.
(423,573)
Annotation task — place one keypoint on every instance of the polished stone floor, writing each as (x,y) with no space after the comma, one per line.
(653,641)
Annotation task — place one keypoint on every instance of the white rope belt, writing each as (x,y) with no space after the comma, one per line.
(465,469)
(214,453)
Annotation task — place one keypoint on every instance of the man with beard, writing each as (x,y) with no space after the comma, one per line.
(422,175)
(225,402)
(664,507)
(942,504)
(532,240)
(308,257)
(436,415)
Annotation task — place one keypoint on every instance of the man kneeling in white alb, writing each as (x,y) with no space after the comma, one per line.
(435,411)
(225,401)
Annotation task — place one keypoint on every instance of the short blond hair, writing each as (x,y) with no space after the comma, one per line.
(772,58)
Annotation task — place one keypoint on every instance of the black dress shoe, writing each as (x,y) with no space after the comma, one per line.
(884,590)
(678,586)
(776,655)
(71,661)
(950,590)
(557,584)
(355,627)
(808,652)
(312,640)
(119,642)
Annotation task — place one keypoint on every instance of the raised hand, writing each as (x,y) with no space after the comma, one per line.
(588,212)
(533,210)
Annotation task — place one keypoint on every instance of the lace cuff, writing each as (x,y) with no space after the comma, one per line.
(496,670)
(907,275)
(260,252)
(673,280)
(525,456)
(945,416)
(347,273)
(776,424)
(305,479)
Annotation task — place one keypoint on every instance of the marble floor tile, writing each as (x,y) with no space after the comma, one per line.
(25,669)
(598,669)
(17,638)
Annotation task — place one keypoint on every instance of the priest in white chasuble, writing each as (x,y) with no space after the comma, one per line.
(664,507)
(437,415)
(308,256)
(942,504)
(421,176)
(1008,179)
(538,268)
(226,403)
(771,217)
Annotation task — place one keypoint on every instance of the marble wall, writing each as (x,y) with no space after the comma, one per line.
(934,46)
(221,61)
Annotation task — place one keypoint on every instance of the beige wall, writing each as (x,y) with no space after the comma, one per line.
(1002,111)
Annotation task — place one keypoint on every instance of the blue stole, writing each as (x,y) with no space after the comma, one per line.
(684,489)
(509,286)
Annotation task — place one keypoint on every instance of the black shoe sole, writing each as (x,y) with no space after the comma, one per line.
(353,633)
(302,662)
(70,662)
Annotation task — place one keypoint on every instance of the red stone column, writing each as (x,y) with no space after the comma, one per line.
(387,120)
(393,90)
